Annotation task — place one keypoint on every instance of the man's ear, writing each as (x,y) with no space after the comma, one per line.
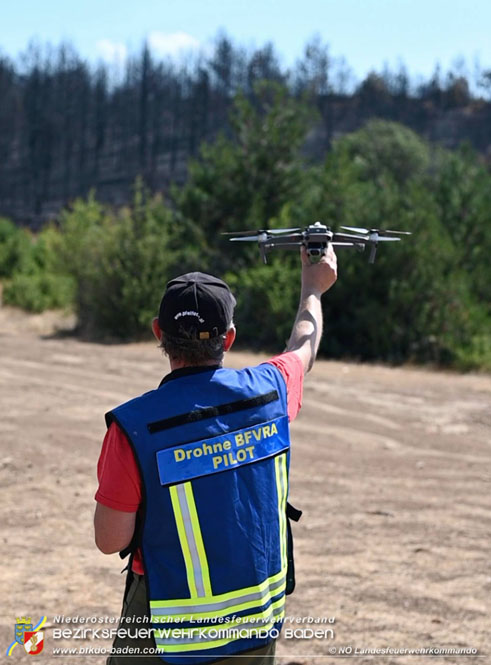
(156,330)
(229,338)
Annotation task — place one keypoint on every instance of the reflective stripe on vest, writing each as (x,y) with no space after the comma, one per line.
(181,639)
(282,489)
(191,540)
(226,603)
(202,605)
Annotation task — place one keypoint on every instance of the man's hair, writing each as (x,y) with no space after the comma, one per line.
(194,351)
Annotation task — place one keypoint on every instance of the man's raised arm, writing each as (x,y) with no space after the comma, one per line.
(306,334)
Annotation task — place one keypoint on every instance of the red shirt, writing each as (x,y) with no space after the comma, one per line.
(117,471)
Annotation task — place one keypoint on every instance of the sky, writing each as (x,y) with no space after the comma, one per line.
(368,33)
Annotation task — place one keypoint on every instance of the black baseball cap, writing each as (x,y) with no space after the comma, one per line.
(196,306)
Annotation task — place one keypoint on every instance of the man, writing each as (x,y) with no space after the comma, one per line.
(193,480)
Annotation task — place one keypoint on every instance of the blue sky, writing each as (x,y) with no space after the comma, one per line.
(367,33)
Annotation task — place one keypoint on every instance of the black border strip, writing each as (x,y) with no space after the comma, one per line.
(213,412)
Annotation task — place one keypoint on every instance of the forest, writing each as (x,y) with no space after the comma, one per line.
(68,126)
(112,182)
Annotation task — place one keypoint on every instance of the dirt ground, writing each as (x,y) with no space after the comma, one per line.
(391,467)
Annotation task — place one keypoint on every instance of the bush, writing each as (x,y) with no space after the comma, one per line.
(122,261)
(267,302)
(15,248)
(37,292)
(30,265)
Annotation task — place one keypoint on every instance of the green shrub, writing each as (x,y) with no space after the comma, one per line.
(15,249)
(121,262)
(29,266)
(477,353)
(267,301)
(39,291)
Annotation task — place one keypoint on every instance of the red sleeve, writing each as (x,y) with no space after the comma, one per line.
(291,368)
(117,473)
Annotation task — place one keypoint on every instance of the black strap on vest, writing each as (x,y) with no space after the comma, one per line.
(291,514)
(213,412)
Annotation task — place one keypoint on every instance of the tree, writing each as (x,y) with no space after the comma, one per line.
(374,96)
(244,181)
(263,66)
(389,148)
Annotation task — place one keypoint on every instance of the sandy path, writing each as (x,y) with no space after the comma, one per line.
(392,468)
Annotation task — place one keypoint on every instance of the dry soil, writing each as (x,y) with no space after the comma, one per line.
(391,468)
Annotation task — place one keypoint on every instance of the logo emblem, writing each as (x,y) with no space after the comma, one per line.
(33,641)
(21,625)
(31,638)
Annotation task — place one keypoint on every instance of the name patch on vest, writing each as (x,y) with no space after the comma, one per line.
(204,457)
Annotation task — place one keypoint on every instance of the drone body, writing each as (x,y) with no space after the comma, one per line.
(316,237)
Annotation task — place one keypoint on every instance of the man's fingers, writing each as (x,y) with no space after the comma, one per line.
(304,256)
(331,257)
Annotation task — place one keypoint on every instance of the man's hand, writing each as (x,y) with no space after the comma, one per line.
(317,278)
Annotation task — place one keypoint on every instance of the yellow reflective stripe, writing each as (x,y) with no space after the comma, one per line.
(267,615)
(283,511)
(281,487)
(183,602)
(279,493)
(230,609)
(205,573)
(183,541)
(198,646)
(201,645)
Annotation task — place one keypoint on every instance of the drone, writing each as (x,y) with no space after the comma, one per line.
(316,237)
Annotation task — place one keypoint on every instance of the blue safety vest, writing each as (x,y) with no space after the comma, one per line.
(212,446)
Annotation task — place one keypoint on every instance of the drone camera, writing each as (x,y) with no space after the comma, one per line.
(315,251)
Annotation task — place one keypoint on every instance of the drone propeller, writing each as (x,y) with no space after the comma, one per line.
(357,229)
(246,234)
(263,238)
(244,239)
(349,237)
